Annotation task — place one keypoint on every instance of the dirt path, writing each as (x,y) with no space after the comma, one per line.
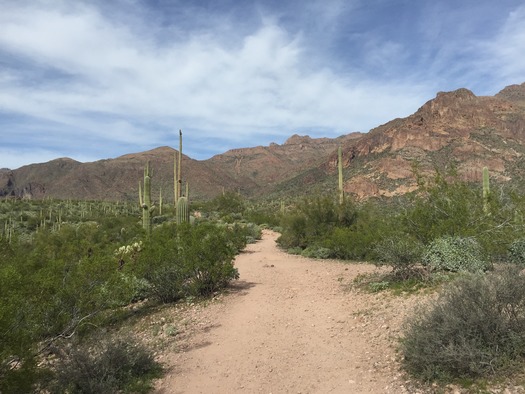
(292,326)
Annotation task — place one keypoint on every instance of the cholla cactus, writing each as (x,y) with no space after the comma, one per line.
(128,252)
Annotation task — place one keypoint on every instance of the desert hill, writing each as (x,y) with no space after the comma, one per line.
(455,127)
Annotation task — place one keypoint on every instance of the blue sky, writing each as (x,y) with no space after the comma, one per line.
(94,79)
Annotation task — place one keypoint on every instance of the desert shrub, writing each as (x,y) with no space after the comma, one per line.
(243,234)
(456,254)
(312,219)
(475,328)
(401,252)
(294,232)
(253,232)
(167,283)
(267,216)
(189,260)
(112,366)
(207,252)
(444,207)
(357,241)
(294,251)
(317,252)
(516,252)
(449,207)
(228,203)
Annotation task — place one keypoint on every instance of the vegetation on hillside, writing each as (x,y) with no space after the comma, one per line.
(67,267)
(447,227)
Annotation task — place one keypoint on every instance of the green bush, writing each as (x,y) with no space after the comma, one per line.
(189,260)
(401,252)
(228,203)
(445,208)
(312,219)
(112,366)
(295,251)
(475,328)
(516,252)
(317,252)
(456,254)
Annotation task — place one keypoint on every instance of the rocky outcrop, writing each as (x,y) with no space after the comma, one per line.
(453,129)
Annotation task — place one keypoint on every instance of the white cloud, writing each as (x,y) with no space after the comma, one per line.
(74,68)
(505,53)
(113,71)
(17,158)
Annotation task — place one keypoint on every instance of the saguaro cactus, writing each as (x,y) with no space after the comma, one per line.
(145,200)
(340,170)
(182,211)
(175,181)
(486,189)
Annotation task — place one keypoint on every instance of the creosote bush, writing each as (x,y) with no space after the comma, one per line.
(456,254)
(403,253)
(112,366)
(475,328)
(317,252)
(188,260)
(516,252)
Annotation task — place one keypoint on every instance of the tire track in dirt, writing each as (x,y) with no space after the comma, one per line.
(291,327)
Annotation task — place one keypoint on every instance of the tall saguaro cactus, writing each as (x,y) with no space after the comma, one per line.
(180,165)
(182,212)
(175,180)
(340,170)
(486,189)
(145,200)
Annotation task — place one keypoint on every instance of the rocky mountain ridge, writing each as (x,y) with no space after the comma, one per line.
(455,127)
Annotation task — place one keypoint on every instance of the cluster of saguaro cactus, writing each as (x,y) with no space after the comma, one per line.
(182,210)
(145,200)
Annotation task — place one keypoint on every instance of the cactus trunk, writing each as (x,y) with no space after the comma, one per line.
(486,189)
(147,206)
(179,187)
(340,170)
(175,181)
(183,212)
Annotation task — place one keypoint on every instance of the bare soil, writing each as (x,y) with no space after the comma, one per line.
(289,325)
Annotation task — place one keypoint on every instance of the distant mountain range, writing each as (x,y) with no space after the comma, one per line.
(454,128)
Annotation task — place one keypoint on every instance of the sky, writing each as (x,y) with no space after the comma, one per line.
(98,79)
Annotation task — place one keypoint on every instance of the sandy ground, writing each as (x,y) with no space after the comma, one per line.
(291,325)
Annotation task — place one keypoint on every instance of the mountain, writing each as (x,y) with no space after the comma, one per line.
(251,171)
(456,127)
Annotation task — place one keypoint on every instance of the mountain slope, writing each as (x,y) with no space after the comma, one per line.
(455,128)
(251,171)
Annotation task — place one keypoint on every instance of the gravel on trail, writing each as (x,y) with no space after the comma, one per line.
(291,325)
